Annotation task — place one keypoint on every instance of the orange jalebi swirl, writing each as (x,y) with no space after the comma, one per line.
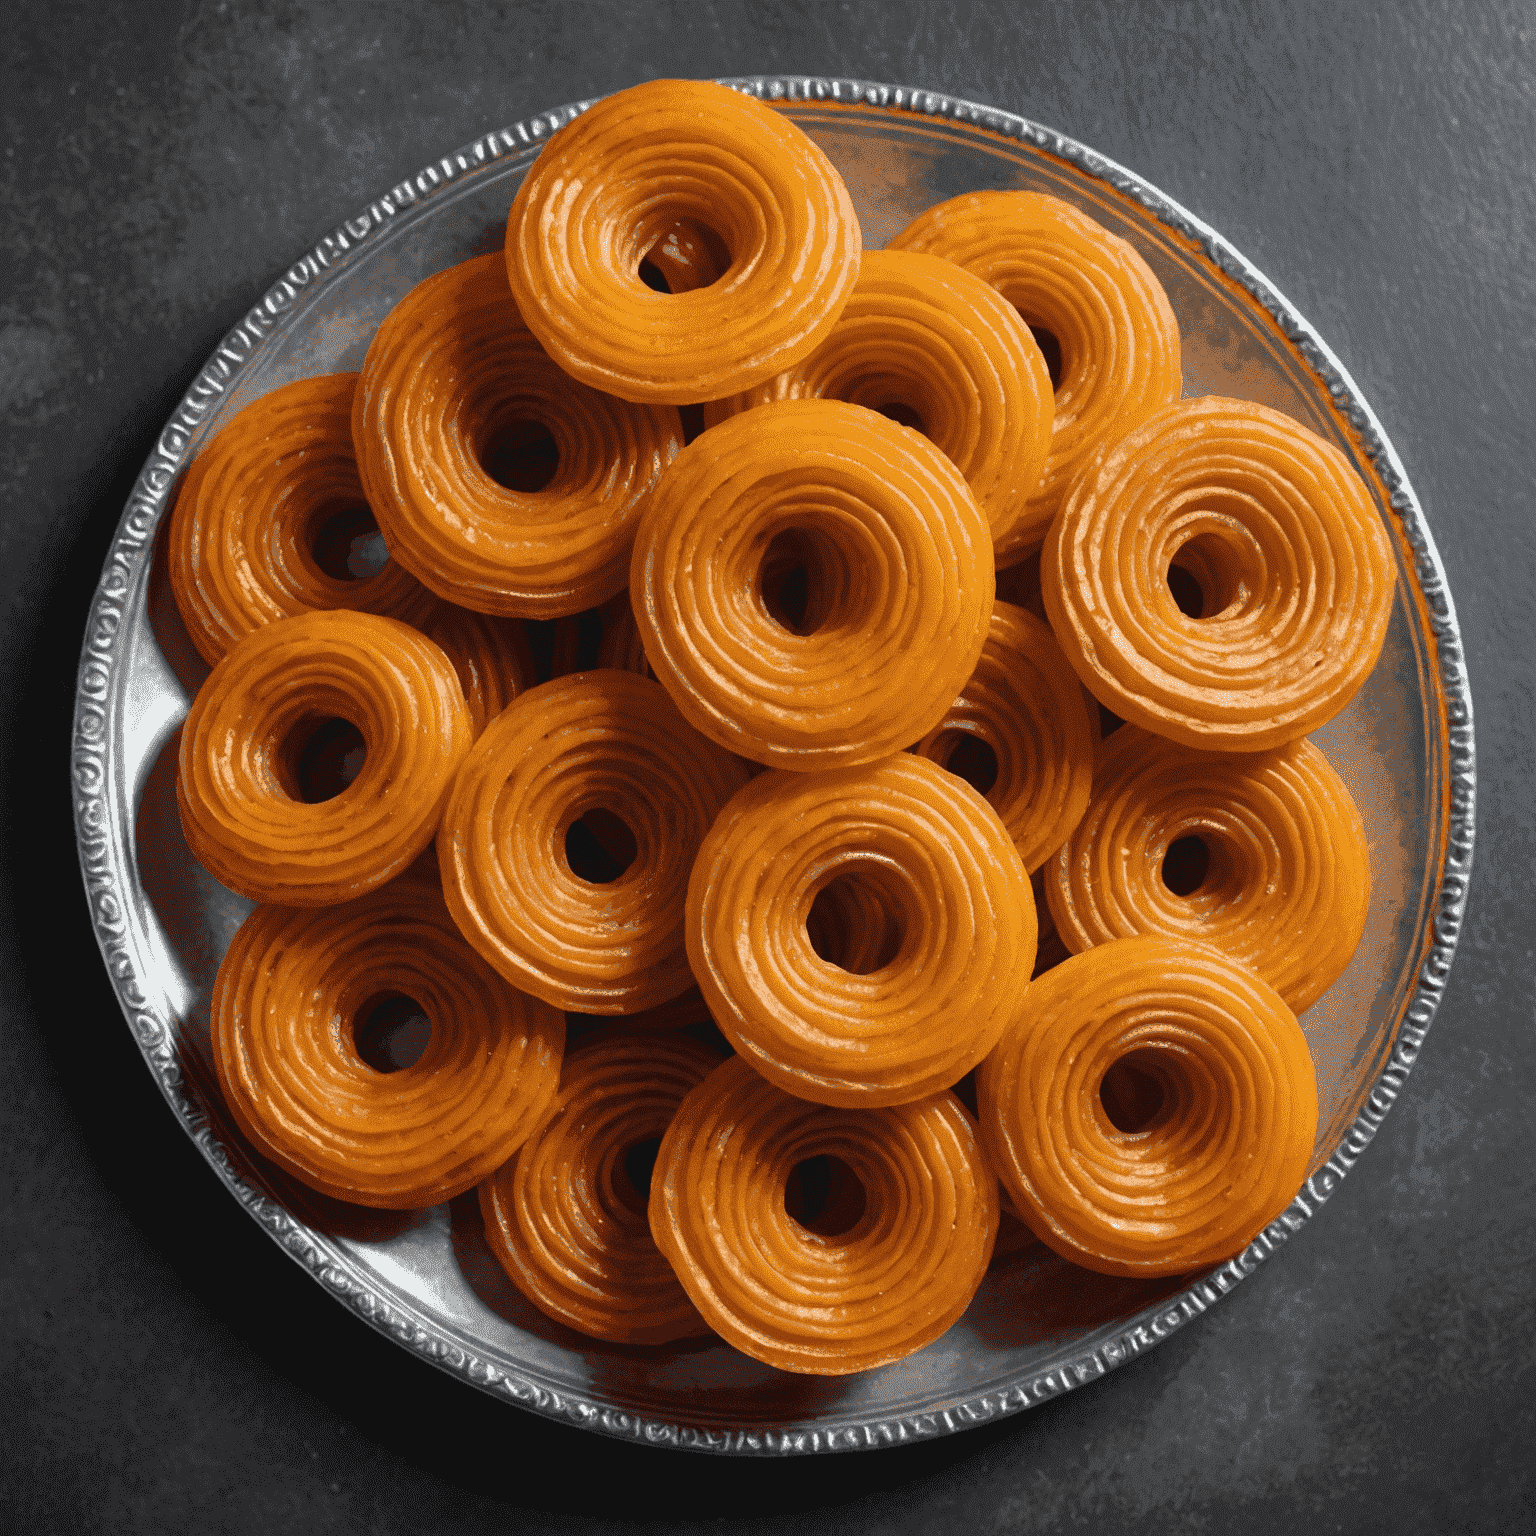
(1091,300)
(927,343)
(293,991)
(895,1267)
(271,521)
(924,846)
(1293,566)
(1021,722)
(567,1218)
(609,188)
(897,571)
(1262,855)
(456,392)
(1218,1127)
(490,655)
(241,781)
(595,742)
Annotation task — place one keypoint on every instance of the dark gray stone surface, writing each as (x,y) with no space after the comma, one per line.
(164,1367)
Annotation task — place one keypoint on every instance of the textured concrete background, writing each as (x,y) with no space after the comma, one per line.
(164,1367)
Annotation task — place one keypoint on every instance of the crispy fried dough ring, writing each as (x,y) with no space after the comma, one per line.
(237,786)
(251,509)
(1279,531)
(564,1217)
(899,561)
(924,336)
(490,655)
(594,740)
(611,185)
(1069,276)
(935,856)
(1224,1151)
(1026,704)
(290,986)
(891,1283)
(1289,877)
(452,373)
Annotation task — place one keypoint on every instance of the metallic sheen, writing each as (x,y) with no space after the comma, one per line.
(427,1279)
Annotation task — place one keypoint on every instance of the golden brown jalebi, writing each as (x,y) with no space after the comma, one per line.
(608,189)
(898,570)
(603,740)
(1086,289)
(823,1303)
(1024,705)
(292,990)
(565,1216)
(932,853)
(924,339)
(1279,877)
(1221,1139)
(490,655)
(1294,568)
(454,383)
(239,780)
(259,506)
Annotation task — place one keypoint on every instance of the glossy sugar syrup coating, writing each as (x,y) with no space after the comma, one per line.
(565,1218)
(453,386)
(898,584)
(1228,1121)
(1088,289)
(1287,880)
(602,740)
(289,992)
(490,655)
(1025,704)
(1293,565)
(609,188)
(799,1299)
(238,783)
(929,343)
(925,847)
(255,505)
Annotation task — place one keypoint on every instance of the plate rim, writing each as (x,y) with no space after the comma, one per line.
(108,868)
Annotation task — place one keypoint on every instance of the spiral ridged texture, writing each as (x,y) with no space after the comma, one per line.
(899,565)
(610,186)
(822,1305)
(237,783)
(1068,276)
(490,655)
(251,510)
(1294,567)
(1288,881)
(1024,702)
(1234,1107)
(595,740)
(291,988)
(927,337)
(935,856)
(452,378)
(564,1217)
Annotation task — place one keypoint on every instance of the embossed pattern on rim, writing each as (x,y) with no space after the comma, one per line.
(103,799)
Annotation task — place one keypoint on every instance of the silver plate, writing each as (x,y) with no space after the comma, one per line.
(426,1279)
